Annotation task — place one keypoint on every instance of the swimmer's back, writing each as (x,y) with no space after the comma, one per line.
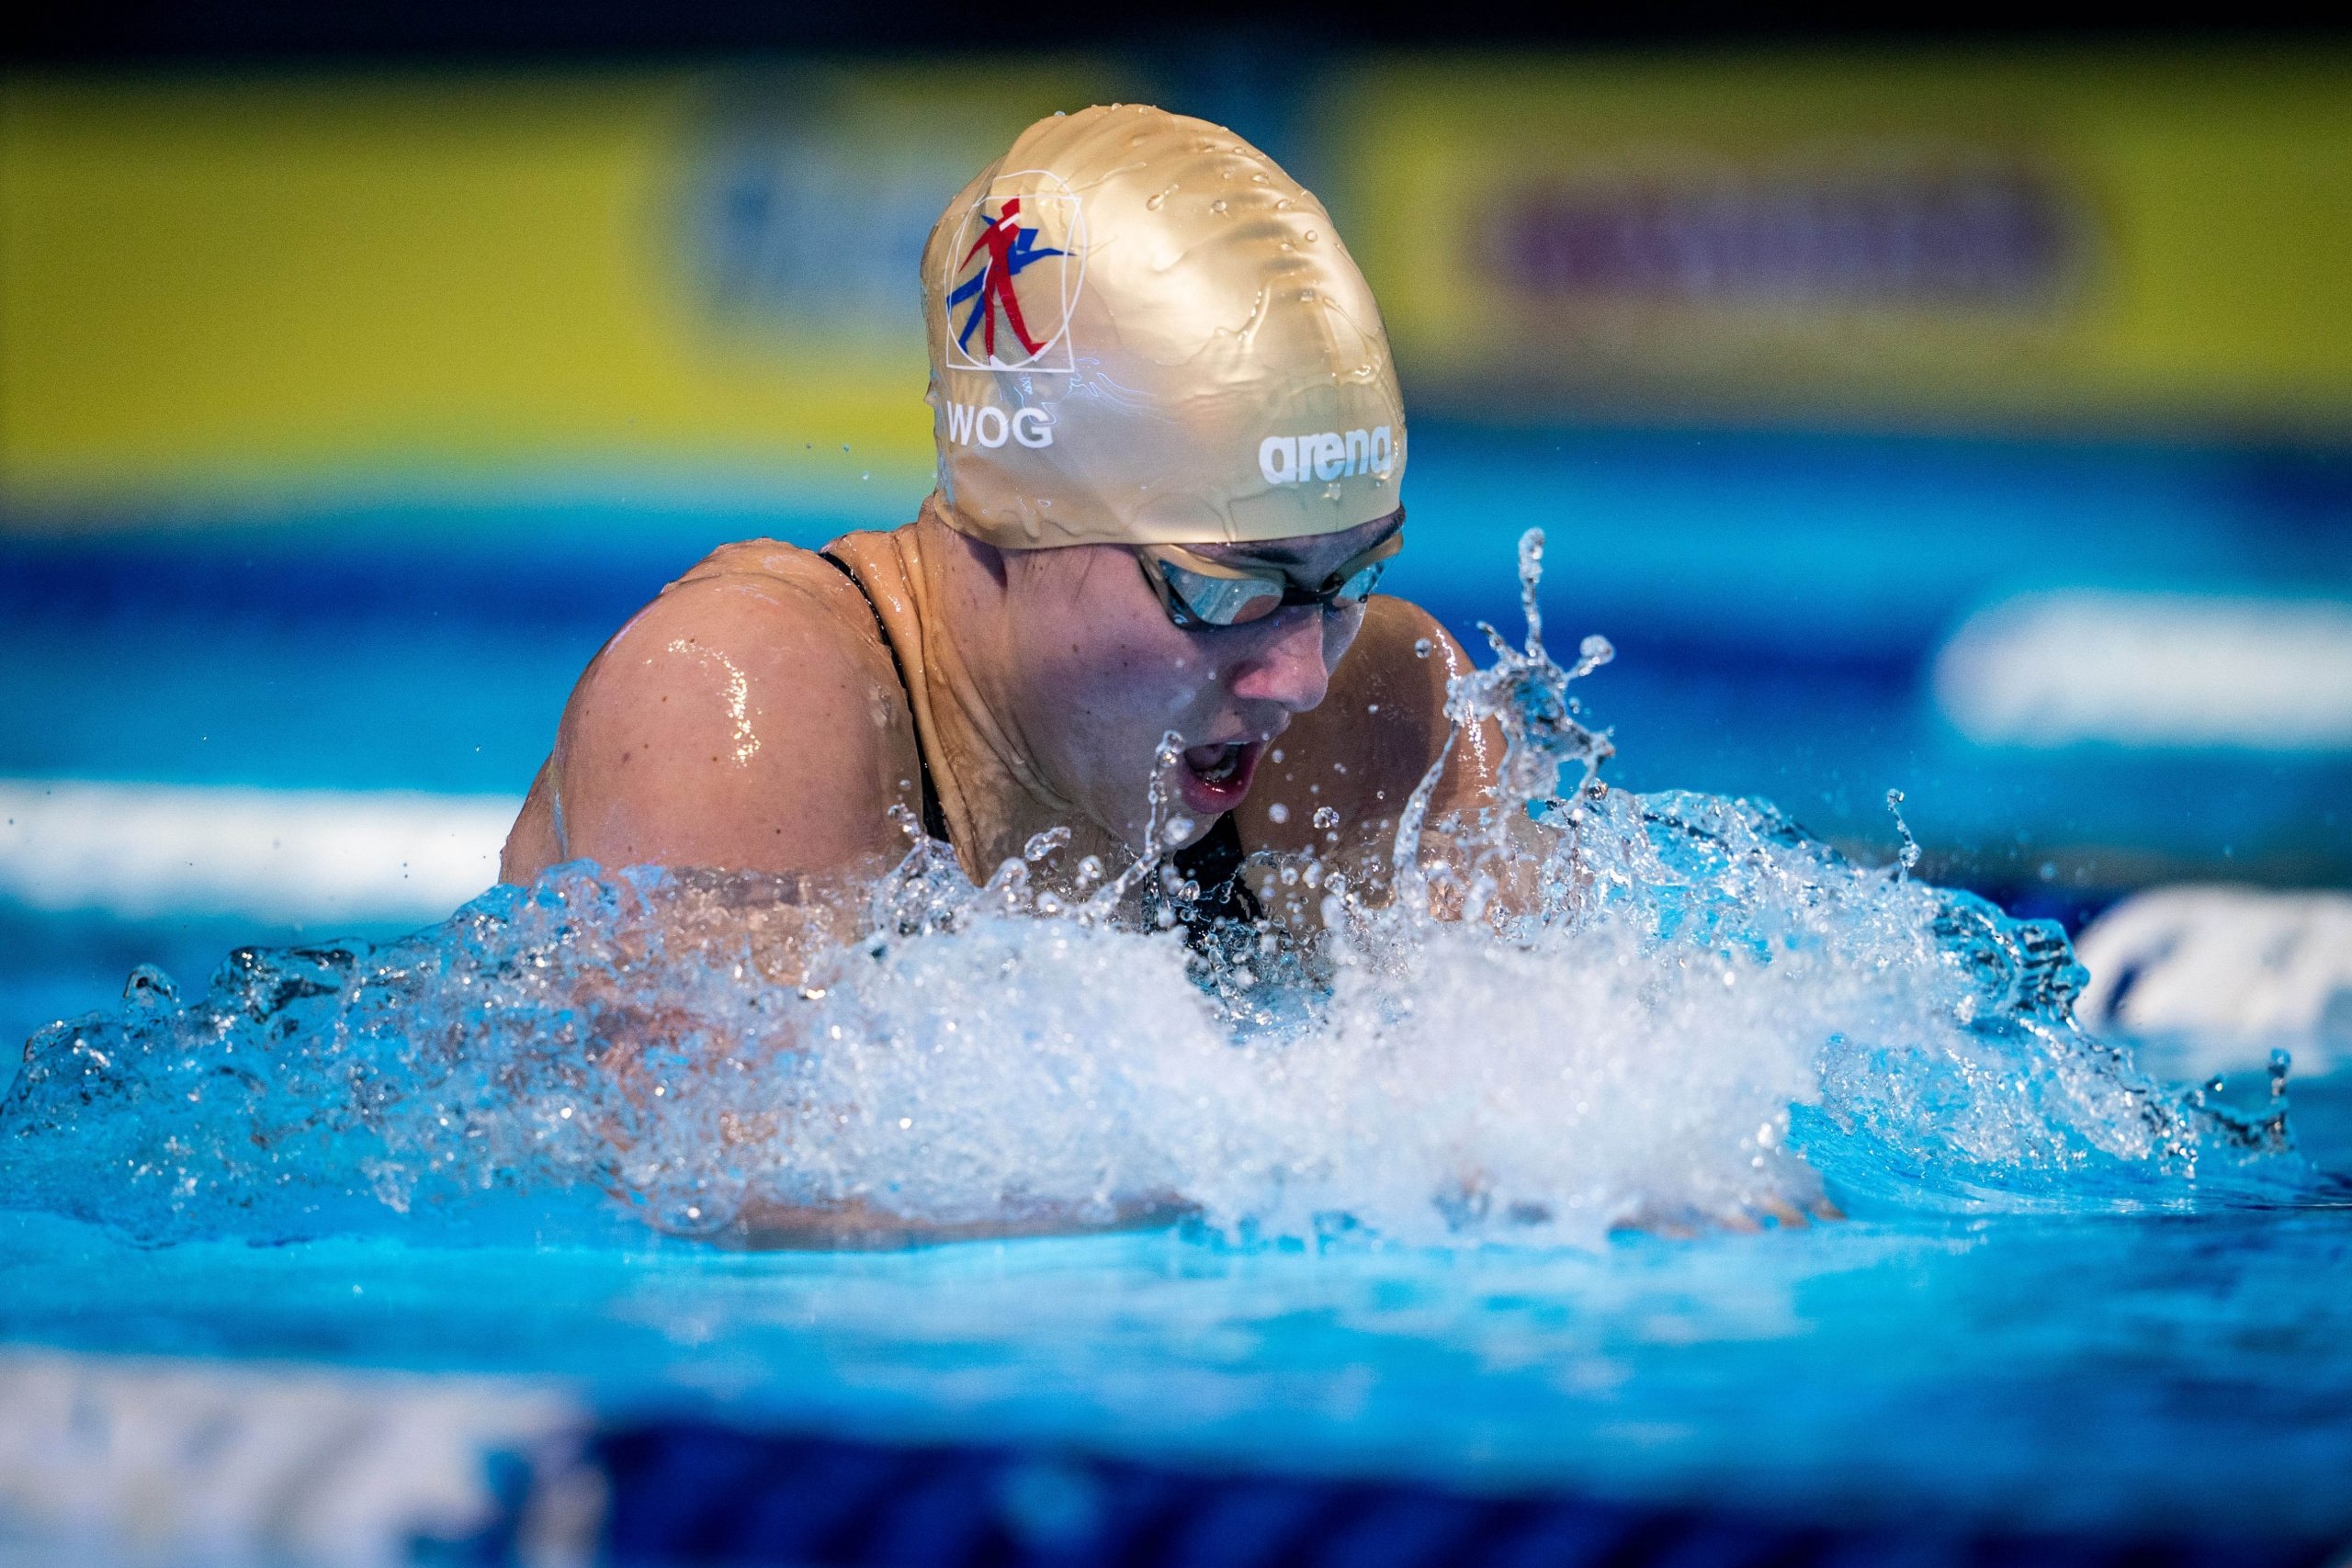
(749,719)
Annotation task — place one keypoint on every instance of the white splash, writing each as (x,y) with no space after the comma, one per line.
(1675,1010)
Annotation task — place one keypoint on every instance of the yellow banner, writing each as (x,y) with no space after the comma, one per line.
(2024,237)
(232,288)
(229,289)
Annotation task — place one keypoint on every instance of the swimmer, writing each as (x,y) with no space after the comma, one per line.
(1172,451)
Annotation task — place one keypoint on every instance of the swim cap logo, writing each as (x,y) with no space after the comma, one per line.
(1009,286)
(1333,455)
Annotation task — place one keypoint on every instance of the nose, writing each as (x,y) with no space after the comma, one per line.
(1286,666)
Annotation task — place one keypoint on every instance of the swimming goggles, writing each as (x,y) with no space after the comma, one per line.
(1197,592)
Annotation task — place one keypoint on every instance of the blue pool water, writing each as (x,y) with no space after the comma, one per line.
(2115,1374)
(2072,1293)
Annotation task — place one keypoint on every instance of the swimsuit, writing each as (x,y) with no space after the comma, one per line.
(1214,865)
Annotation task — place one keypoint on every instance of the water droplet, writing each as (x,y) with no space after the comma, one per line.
(1260,180)
(1909,857)
(1154,202)
(1312,236)
(149,985)
(1277,812)
(1421,647)
(1040,845)
(1179,828)
(1325,816)
(1217,206)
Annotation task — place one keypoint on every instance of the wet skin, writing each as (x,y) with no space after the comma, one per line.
(750,718)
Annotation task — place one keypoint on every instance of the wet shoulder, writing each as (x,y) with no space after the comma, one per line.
(749,718)
(769,562)
(771,625)
(772,593)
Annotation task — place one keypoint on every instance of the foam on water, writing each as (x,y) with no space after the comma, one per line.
(1584,1008)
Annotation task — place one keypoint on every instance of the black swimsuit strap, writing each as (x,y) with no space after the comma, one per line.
(935,819)
(1214,865)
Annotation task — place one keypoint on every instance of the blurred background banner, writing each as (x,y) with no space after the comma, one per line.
(2015,238)
(241,289)
(238,287)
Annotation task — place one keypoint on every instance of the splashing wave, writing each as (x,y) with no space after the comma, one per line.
(1688,1013)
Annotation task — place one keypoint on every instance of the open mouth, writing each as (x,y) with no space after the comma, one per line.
(1214,778)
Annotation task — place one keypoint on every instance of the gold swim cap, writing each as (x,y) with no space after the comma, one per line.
(1143,332)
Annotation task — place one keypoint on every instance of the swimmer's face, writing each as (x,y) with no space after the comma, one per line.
(1104,673)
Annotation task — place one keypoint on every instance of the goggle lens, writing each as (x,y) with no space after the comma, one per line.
(1221,601)
(1237,598)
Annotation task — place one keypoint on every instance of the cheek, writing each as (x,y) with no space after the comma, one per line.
(1107,666)
(1118,679)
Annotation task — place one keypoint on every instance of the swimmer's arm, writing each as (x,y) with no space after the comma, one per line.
(1365,749)
(741,722)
